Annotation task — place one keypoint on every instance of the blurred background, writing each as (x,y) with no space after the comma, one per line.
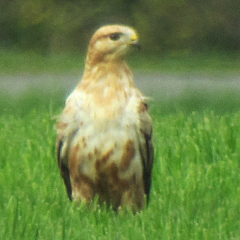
(52,26)
(190,47)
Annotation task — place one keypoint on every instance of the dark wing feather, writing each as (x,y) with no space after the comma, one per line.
(148,164)
(146,147)
(64,169)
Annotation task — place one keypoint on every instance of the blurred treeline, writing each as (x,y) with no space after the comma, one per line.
(182,26)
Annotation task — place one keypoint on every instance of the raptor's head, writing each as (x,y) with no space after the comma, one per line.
(112,42)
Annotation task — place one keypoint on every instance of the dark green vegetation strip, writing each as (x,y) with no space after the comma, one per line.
(17,62)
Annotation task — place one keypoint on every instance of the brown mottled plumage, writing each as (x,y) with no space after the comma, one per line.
(105,132)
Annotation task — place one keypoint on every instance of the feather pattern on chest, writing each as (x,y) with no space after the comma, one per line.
(104,133)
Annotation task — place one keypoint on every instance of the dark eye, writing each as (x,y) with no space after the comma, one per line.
(114,36)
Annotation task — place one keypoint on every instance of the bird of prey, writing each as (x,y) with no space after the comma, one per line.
(104,143)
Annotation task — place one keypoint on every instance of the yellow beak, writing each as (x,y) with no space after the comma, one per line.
(135,41)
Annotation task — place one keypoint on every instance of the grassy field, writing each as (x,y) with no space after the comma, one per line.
(15,62)
(196,180)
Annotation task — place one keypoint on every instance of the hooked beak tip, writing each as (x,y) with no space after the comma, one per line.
(137,44)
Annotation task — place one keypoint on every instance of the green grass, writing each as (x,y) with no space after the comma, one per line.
(196,180)
(207,62)
(16,61)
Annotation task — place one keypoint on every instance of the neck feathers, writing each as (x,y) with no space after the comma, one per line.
(109,72)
